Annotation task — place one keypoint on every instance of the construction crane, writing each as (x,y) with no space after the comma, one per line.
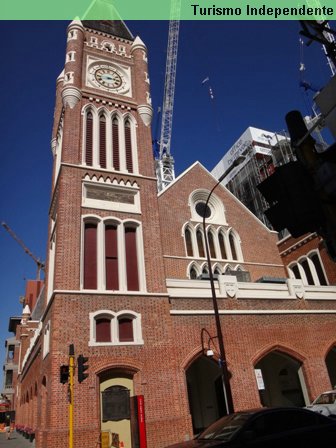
(164,162)
(40,265)
(320,31)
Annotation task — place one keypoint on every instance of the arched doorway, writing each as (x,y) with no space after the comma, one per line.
(116,390)
(205,392)
(331,366)
(283,380)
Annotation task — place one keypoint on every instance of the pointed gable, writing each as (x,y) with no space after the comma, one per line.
(236,237)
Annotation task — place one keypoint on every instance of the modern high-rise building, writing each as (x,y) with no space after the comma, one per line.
(126,279)
(249,161)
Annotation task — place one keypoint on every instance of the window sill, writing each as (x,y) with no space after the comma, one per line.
(114,344)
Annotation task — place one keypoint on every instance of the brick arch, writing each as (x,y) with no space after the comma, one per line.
(277,348)
(192,356)
(124,366)
(330,346)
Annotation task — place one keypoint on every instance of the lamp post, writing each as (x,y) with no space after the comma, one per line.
(225,372)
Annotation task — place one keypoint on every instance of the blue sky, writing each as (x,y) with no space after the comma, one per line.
(254,73)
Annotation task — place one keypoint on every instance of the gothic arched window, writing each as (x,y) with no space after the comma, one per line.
(115,144)
(90,255)
(131,258)
(111,249)
(222,246)
(188,242)
(111,257)
(102,141)
(232,242)
(128,147)
(89,139)
(200,245)
(211,245)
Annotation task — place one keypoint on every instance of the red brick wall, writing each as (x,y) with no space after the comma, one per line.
(258,244)
(291,249)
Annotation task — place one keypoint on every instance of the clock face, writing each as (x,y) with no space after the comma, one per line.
(108,77)
(113,78)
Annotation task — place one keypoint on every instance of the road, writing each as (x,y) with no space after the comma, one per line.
(16,441)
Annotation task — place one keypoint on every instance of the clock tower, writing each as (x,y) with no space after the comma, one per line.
(105,288)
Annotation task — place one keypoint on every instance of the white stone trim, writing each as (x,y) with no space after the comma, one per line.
(247,263)
(311,266)
(101,281)
(51,261)
(68,78)
(70,56)
(71,96)
(111,187)
(180,288)
(248,312)
(136,323)
(72,35)
(46,339)
(58,144)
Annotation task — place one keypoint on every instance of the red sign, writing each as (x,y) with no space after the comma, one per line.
(141,421)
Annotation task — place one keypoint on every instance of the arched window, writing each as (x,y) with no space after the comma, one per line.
(103,329)
(131,258)
(110,328)
(89,139)
(205,270)
(115,144)
(233,246)
(90,255)
(128,147)
(211,245)
(111,257)
(193,273)
(200,245)
(307,271)
(319,270)
(125,329)
(188,242)
(222,246)
(102,141)
(296,271)
(111,248)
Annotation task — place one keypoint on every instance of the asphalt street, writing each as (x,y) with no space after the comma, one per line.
(16,441)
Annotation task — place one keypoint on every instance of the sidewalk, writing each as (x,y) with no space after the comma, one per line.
(16,441)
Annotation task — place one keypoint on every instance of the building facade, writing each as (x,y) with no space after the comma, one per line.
(133,297)
(261,152)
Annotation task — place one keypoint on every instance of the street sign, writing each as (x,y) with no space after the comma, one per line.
(259,378)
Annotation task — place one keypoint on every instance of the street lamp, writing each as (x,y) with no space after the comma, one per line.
(225,372)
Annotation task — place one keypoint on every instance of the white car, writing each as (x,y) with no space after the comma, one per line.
(325,404)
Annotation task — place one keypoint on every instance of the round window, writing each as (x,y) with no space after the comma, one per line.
(203,210)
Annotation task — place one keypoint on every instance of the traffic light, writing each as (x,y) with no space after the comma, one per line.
(293,202)
(64,374)
(302,194)
(81,368)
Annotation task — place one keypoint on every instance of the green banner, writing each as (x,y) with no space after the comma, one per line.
(161,10)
